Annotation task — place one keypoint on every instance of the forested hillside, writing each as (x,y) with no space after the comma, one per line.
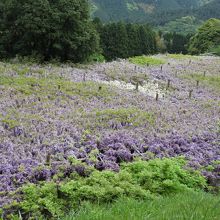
(159,13)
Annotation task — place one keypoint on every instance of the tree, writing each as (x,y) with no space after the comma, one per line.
(114,41)
(207,37)
(133,40)
(119,40)
(147,40)
(49,28)
(176,43)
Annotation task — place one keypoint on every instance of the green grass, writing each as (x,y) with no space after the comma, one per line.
(181,56)
(183,206)
(51,86)
(212,81)
(145,60)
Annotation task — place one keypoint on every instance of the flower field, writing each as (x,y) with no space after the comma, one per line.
(53,117)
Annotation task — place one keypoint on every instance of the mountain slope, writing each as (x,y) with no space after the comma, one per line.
(143,10)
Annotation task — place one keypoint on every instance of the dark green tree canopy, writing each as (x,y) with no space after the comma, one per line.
(207,37)
(120,40)
(49,28)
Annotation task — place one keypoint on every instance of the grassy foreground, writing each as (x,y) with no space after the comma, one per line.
(185,206)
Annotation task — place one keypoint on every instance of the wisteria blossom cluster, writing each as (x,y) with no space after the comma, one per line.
(52,114)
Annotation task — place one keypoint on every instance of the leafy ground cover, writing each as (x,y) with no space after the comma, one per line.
(53,117)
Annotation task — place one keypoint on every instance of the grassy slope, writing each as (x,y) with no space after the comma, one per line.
(196,206)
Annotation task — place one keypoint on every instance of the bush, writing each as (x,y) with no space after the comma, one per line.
(206,37)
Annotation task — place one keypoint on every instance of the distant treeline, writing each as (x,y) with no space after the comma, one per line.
(63,30)
(125,40)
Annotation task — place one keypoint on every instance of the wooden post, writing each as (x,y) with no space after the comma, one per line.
(157,96)
(137,85)
(84,77)
(48,159)
(204,74)
(190,93)
(197,84)
(168,83)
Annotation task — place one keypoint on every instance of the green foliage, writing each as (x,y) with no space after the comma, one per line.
(42,202)
(195,206)
(154,12)
(47,29)
(114,41)
(137,180)
(165,176)
(176,43)
(96,58)
(9,122)
(144,60)
(184,25)
(215,50)
(206,38)
(218,125)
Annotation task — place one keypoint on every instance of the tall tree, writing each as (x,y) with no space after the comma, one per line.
(114,41)
(207,37)
(49,28)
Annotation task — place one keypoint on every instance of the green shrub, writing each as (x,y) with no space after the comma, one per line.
(207,37)
(96,58)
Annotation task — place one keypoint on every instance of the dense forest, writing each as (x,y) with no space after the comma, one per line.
(157,13)
(148,10)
